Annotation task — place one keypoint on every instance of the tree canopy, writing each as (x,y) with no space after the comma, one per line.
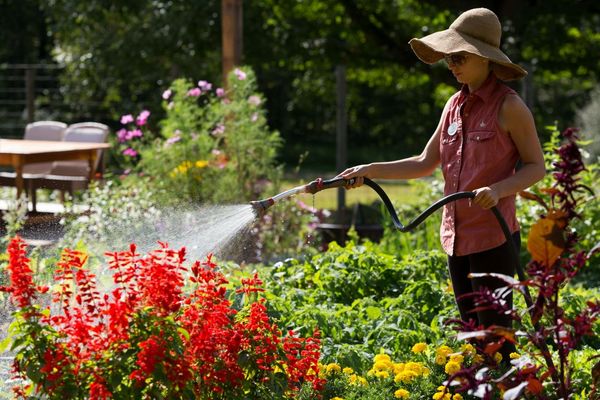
(119,55)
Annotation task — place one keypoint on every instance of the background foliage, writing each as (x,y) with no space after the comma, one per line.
(117,54)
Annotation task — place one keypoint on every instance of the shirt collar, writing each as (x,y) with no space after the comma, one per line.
(485,91)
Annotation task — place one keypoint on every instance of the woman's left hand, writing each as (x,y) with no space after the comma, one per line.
(486,197)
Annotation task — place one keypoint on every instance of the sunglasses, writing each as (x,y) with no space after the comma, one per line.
(456,59)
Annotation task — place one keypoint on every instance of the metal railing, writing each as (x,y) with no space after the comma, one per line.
(32,92)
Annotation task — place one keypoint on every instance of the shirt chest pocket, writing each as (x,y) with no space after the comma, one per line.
(483,137)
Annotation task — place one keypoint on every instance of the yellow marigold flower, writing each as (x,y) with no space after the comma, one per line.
(382,374)
(457,397)
(382,357)
(362,381)
(514,355)
(405,376)
(398,367)
(443,350)
(440,359)
(452,367)
(419,347)
(333,368)
(201,163)
(497,357)
(439,396)
(401,394)
(426,371)
(348,371)
(467,349)
(383,365)
(414,366)
(441,389)
(337,398)
(457,358)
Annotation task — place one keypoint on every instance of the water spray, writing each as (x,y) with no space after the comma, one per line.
(261,206)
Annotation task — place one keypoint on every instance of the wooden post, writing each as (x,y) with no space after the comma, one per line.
(231,25)
(30,93)
(341,134)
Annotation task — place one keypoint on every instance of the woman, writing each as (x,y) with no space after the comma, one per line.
(484,130)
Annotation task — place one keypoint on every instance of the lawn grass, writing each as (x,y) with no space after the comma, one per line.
(398,192)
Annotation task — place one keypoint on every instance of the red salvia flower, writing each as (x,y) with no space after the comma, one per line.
(22,289)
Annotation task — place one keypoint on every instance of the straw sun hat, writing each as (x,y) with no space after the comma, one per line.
(476,31)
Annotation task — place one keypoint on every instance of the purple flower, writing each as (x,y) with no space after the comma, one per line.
(220,92)
(166,94)
(142,118)
(241,75)
(125,119)
(204,85)
(130,152)
(195,92)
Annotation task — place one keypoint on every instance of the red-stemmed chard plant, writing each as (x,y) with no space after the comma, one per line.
(151,336)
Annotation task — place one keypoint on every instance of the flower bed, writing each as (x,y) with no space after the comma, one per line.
(151,336)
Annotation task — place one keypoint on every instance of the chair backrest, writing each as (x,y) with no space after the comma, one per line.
(45,130)
(92,132)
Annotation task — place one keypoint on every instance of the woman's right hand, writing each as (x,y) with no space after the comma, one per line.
(357,172)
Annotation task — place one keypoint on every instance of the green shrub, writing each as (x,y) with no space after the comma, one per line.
(215,146)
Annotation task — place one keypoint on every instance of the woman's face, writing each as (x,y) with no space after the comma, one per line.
(468,68)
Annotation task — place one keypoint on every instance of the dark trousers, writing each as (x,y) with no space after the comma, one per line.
(496,260)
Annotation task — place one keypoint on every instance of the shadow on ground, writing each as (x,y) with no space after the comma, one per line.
(41,229)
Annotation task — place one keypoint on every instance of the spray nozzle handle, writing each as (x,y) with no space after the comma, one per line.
(319,184)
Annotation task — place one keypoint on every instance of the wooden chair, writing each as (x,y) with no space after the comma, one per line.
(70,176)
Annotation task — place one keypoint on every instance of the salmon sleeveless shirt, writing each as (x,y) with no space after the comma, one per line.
(475,152)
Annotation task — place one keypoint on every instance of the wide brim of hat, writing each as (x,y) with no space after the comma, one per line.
(431,49)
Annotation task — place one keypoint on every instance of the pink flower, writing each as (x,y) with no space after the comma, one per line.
(142,118)
(125,119)
(122,135)
(195,92)
(254,117)
(219,129)
(166,94)
(170,105)
(254,100)
(241,75)
(174,139)
(134,133)
(203,85)
(220,92)
(130,152)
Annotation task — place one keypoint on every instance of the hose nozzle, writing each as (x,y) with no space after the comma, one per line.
(260,206)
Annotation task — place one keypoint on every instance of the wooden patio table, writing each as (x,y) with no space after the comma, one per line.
(17,153)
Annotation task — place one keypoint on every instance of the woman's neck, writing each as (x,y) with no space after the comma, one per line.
(477,83)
